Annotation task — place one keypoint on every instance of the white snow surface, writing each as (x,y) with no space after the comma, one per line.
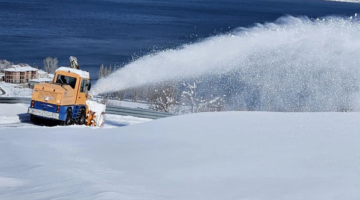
(230,155)
(13,109)
(18,68)
(82,74)
(42,72)
(12,114)
(14,90)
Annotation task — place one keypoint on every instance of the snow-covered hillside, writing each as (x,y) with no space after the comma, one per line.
(232,155)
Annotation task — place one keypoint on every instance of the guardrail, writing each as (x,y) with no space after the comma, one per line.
(114,110)
(11,100)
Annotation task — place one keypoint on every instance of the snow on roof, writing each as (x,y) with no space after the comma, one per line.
(39,80)
(51,75)
(81,73)
(42,72)
(18,68)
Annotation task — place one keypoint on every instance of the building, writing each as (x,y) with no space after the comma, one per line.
(38,81)
(20,74)
(42,74)
(2,77)
(51,76)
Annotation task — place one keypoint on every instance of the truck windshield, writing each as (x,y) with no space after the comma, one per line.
(67,80)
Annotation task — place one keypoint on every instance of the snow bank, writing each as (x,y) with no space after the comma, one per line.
(13,113)
(113,121)
(212,156)
(11,110)
(9,120)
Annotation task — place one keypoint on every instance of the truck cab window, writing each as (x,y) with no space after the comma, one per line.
(83,86)
(66,80)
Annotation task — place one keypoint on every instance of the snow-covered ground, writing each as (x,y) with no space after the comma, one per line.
(13,113)
(13,90)
(230,155)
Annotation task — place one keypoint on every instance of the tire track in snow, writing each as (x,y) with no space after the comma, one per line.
(16,125)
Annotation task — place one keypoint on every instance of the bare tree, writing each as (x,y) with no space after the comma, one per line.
(134,94)
(216,104)
(101,71)
(104,71)
(163,98)
(120,95)
(50,65)
(191,98)
(109,70)
(4,64)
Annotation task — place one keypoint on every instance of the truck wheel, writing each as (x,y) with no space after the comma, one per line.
(82,116)
(68,121)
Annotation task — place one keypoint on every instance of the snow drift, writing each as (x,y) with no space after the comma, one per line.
(212,156)
(293,64)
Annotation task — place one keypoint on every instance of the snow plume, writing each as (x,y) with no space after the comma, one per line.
(293,64)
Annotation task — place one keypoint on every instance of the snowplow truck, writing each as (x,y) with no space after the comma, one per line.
(66,100)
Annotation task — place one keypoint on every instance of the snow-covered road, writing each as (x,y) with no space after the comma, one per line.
(212,156)
(2,92)
(14,115)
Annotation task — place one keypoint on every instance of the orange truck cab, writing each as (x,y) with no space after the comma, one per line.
(64,99)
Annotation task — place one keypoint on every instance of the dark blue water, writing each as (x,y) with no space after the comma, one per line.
(113,31)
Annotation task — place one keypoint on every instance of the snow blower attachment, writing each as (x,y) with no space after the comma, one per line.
(66,99)
(95,113)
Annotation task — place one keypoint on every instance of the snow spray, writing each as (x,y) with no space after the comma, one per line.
(293,64)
